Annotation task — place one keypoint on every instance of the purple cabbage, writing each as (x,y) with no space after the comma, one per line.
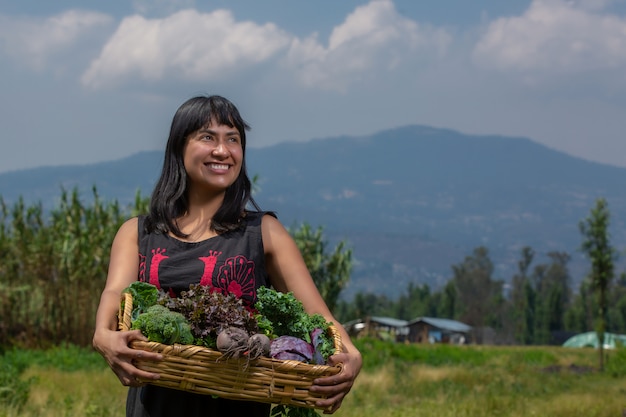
(317,341)
(291,347)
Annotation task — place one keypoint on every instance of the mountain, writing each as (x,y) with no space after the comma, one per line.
(410,202)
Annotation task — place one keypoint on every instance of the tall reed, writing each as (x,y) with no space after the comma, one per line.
(53,267)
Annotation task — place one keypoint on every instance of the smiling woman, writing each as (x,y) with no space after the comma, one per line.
(213,158)
(204,227)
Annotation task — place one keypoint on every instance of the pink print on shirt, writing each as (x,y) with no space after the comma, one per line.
(158,255)
(209,266)
(142,267)
(237,276)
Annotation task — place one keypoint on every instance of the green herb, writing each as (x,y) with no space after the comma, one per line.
(292,411)
(145,295)
(282,314)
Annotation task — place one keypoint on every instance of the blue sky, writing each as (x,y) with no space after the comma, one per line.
(86,81)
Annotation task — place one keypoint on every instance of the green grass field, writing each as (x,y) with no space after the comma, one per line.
(397,380)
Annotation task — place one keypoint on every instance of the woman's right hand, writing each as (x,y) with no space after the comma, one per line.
(114,347)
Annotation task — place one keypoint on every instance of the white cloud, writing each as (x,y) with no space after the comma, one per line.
(187,45)
(190,45)
(34,41)
(555,37)
(591,4)
(145,7)
(373,38)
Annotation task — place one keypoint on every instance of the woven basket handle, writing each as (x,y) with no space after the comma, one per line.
(334,332)
(124,316)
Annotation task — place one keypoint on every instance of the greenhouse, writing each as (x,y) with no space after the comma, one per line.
(590,339)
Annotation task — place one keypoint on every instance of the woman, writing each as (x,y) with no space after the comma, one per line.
(200,229)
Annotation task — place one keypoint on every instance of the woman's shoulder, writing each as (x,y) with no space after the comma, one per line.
(256,217)
(131,223)
(128,231)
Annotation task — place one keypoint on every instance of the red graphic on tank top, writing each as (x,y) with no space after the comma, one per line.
(209,267)
(158,255)
(142,268)
(237,276)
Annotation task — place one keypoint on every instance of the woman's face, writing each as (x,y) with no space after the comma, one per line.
(213,157)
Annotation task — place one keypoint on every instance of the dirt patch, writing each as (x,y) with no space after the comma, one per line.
(572,368)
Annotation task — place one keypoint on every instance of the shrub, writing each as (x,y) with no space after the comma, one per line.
(13,390)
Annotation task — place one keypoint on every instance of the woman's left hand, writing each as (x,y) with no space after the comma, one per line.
(336,387)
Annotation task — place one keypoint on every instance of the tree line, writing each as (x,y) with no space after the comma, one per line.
(538,306)
(53,267)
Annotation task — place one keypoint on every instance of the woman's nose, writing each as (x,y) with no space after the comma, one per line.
(220,149)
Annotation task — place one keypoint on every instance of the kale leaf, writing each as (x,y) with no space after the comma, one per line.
(282,314)
(145,295)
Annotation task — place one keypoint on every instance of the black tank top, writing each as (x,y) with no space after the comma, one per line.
(232,262)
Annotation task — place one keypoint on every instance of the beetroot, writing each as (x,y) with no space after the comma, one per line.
(232,342)
(288,346)
(258,345)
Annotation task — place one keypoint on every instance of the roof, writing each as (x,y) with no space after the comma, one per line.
(388,321)
(443,324)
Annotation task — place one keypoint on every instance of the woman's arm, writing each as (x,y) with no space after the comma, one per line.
(288,273)
(113,344)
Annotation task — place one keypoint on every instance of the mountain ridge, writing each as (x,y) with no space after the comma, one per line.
(411,201)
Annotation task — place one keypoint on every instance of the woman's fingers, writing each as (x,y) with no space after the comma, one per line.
(334,388)
(130,375)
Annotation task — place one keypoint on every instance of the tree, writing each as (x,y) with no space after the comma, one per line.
(479,296)
(523,300)
(552,296)
(330,271)
(578,317)
(596,244)
(449,301)
(417,301)
(617,305)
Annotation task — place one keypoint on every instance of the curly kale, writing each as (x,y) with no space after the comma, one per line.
(286,315)
(282,314)
(159,324)
(144,295)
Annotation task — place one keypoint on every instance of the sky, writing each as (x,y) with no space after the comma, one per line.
(88,81)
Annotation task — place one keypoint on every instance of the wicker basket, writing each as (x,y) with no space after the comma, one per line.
(204,371)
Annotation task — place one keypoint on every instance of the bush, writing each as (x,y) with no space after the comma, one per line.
(616,362)
(13,390)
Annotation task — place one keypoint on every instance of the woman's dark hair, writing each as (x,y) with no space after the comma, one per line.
(169,198)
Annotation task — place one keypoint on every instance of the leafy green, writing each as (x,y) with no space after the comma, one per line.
(282,314)
(159,324)
(282,410)
(145,295)
(286,315)
(209,312)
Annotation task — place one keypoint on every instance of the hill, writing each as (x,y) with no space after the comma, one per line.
(410,201)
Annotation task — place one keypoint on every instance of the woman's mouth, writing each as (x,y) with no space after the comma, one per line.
(217,166)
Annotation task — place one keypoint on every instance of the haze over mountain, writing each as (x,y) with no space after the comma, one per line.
(410,201)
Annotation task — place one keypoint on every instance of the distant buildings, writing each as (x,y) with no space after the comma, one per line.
(419,330)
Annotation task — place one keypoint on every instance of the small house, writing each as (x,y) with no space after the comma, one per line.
(386,328)
(436,330)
